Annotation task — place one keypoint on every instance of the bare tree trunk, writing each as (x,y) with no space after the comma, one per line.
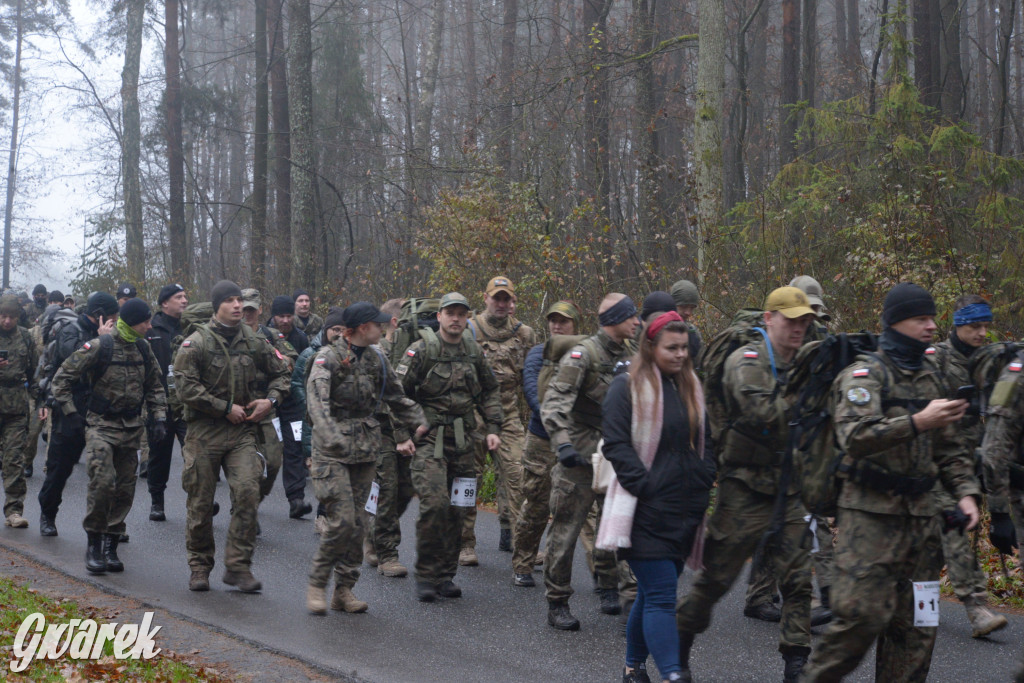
(1007,14)
(177,231)
(12,158)
(926,52)
(258,254)
(985,96)
(742,107)
(808,57)
(506,110)
(303,157)
(131,137)
(952,72)
(428,92)
(472,86)
(282,151)
(595,105)
(646,132)
(853,57)
(707,126)
(790,79)
(841,49)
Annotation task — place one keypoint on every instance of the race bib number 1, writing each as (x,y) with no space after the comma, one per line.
(371,502)
(297,430)
(277,427)
(464,492)
(926,603)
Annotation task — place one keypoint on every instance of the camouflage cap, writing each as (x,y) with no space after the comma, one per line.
(500,284)
(453,299)
(789,301)
(685,293)
(9,306)
(251,298)
(564,308)
(811,287)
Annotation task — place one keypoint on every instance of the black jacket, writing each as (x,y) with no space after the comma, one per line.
(161,334)
(673,495)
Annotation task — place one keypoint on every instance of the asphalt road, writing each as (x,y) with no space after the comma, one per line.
(495,632)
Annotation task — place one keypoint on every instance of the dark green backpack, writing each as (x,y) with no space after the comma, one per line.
(416,316)
(987,364)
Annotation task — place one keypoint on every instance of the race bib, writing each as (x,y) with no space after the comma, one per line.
(277,427)
(464,492)
(297,430)
(371,502)
(926,603)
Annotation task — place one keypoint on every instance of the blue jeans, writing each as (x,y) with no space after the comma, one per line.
(651,628)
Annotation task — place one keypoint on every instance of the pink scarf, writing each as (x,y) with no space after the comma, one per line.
(619,504)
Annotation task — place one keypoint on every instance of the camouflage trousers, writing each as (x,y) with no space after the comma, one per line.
(877,559)
(735,530)
(212,445)
(396,490)
(763,587)
(439,524)
(965,574)
(342,490)
(272,449)
(112,460)
(603,563)
(35,428)
(538,459)
(572,500)
(12,462)
(508,481)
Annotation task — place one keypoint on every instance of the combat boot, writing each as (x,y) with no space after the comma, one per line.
(46,526)
(316,599)
(820,615)
(505,541)
(982,619)
(369,553)
(156,510)
(523,580)
(16,521)
(468,558)
(685,645)
(448,589)
(392,568)
(114,563)
(766,611)
(795,658)
(561,618)
(344,601)
(297,507)
(199,580)
(610,601)
(94,563)
(243,581)
(425,591)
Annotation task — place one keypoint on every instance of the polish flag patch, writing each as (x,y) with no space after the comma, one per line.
(320,361)
(1015,366)
(750,354)
(860,372)
(930,351)
(86,346)
(410,353)
(186,343)
(576,354)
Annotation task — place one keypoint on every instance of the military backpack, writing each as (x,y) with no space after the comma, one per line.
(985,366)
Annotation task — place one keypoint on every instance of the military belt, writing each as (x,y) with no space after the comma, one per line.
(876,478)
(456,422)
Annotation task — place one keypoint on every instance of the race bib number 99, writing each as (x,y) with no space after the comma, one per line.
(464,492)
(926,603)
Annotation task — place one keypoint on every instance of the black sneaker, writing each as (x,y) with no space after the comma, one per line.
(156,513)
(505,541)
(766,611)
(523,580)
(637,675)
(448,589)
(297,507)
(46,526)
(610,601)
(425,591)
(561,618)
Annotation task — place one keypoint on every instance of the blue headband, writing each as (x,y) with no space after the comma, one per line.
(974,313)
(623,310)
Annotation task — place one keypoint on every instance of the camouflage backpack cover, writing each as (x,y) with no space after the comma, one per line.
(987,364)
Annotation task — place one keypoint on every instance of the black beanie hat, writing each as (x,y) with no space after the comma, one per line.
(222,290)
(906,300)
(282,305)
(334,317)
(167,291)
(100,303)
(299,292)
(39,289)
(657,302)
(135,311)
(55,297)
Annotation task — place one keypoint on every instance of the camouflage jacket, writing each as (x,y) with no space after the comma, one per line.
(873,400)
(955,367)
(505,348)
(758,431)
(208,362)
(571,409)
(32,313)
(1004,437)
(310,325)
(118,395)
(22,358)
(452,385)
(346,397)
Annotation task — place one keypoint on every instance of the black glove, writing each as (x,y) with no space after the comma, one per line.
(568,456)
(955,519)
(159,431)
(1001,533)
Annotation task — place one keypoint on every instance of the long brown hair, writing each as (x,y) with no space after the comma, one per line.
(642,370)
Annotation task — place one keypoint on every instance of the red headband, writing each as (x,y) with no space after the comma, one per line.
(664,319)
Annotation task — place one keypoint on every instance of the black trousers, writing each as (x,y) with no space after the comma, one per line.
(293,467)
(159,466)
(67,441)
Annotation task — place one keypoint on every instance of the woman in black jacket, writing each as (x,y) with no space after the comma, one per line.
(654,438)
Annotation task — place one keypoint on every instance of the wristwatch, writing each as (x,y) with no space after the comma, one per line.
(273,402)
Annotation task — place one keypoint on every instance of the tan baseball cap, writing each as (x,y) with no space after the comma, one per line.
(564,308)
(500,284)
(789,301)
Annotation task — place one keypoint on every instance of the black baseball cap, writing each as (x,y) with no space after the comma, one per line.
(363,312)
(126,291)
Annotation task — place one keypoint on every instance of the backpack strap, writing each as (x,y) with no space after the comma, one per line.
(771,351)
(383,377)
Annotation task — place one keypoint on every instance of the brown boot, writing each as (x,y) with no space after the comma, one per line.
(392,568)
(468,558)
(344,601)
(369,554)
(316,600)
(199,581)
(243,581)
(983,620)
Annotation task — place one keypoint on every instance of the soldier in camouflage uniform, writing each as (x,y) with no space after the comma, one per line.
(18,360)
(349,384)
(749,469)
(305,319)
(125,377)
(505,342)
(571,414)
(687,300)
(215,374)
(971,319)
(450,378)
(897,427)
(35,308)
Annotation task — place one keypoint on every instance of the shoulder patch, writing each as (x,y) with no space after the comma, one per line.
(930,351)
(278,354)
(858,396)
(186,343)
(410,353)
(280,335)
(1015,366)
(576,354)
(860,372)
(320,361)
(86,346)
(750,354)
